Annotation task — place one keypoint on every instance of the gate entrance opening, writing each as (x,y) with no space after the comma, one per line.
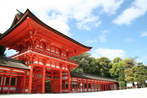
(48,86)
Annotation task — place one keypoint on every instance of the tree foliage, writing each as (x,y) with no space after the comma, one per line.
(140,74)
(128,63)
(82,61)
(91,65)
(116,69)
(123,71)
(117,60)
(104,66)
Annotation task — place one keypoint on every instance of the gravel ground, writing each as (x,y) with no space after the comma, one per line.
(129,93)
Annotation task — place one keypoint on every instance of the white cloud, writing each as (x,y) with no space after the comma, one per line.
(110,6)
(103,35)
(88,22)
(91,41)
(57,13)
(137,9)
(143,34)
(110,53)
(129,40)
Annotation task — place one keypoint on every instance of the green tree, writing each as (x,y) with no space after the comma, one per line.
(105,65)
(117,71)
(117,60)
(122,84)
(128,65)
(140,74)
(121,75)
(92,66)
(82,61)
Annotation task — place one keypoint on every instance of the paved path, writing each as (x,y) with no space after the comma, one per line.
(129,93)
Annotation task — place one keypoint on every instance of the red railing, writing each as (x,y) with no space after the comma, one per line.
(48,53)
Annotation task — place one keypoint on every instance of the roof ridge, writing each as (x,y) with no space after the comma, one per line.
(92,75)
(14,60)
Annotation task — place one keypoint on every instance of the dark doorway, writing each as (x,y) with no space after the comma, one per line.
(47,86)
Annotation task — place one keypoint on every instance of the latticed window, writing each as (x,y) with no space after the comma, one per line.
(13,81)
(89,85)
(39,75)
(85,85)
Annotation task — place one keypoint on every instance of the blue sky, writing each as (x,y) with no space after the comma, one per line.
(114,28)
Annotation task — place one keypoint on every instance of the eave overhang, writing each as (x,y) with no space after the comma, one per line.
(28,15)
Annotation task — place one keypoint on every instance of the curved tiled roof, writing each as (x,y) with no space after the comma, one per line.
(90,76)
(28,13)
(13,63)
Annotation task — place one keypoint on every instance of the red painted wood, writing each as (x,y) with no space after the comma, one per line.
(10,78)
(24,83)
(69,86)
(43,80)
(46,53)
(60,81)
(30,79)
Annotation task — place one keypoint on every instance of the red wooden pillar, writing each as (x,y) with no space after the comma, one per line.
(60,81)
(105,85)
(21,83)
(101,86)
(110,86)
(68,81)
(30,79)
(113,87)
(86,85)
(94,85)
(10,81)
(24,83)
(3,80)
(43,80)
(35,78)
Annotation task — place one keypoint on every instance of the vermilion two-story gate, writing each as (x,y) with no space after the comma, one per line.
(45,51)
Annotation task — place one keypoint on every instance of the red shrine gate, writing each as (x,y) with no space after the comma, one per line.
(45,51)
